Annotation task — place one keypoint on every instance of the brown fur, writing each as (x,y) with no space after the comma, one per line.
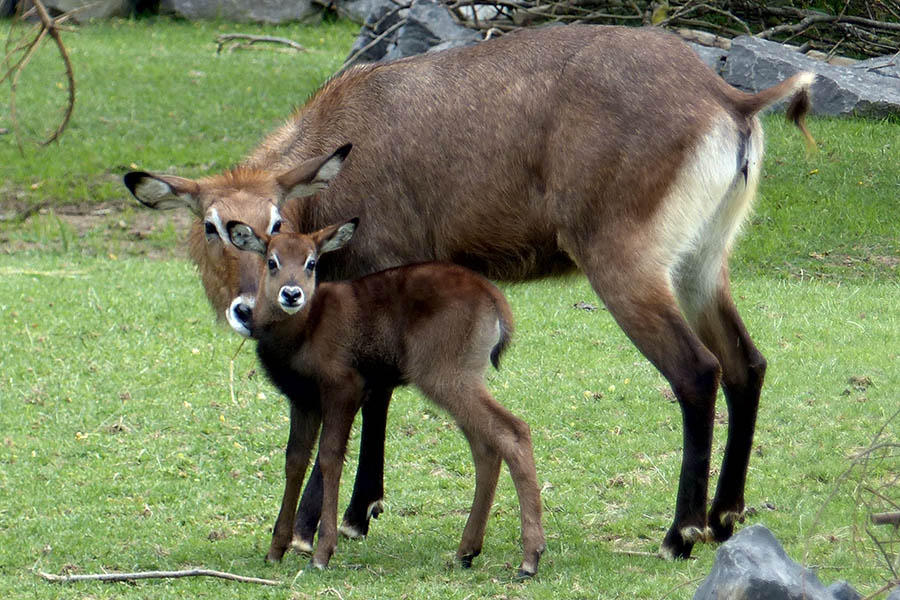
(434,325)
(524,156)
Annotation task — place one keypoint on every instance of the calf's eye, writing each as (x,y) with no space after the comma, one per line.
(211,230)
(276,227)
(272,264)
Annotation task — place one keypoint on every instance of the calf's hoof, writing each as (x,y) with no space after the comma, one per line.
(301,545)
(274,555)
(465,560)
(529,566)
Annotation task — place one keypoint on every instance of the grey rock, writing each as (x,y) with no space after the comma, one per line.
(714,57)
(382,20)
(90,9)
(426,25)
(894,595)
(359,10)
(754,64)
(429,24)
(259,11)
(7,8)
(841,590)
(753,566)
(888,66)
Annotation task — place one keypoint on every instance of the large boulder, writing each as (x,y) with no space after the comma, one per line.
(426,25)
(7,8)
(359,10)
(90,9)
(754,64)
(429,24)
(258,11)
(752,565)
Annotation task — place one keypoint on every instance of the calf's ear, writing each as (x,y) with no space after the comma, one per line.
(335,236)
(162,192)
(244,238)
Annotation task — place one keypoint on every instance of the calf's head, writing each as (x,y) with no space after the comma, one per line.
(252,196)
(288,277)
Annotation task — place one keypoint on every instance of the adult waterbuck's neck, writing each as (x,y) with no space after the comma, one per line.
(252,195)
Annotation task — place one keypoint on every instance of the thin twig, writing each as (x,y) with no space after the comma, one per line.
(51,26)
(380,37)
(231,369)
(223,39)
(155,575)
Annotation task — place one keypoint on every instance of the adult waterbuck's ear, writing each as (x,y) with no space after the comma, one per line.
(313,175)
(243,237)
(163,192)
(335,236)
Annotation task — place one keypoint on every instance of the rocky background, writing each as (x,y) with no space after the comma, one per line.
(396,28)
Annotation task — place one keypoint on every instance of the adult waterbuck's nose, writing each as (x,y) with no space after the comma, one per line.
(239,313)
(291,298)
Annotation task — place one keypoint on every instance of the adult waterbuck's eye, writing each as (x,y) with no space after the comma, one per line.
(276,227)
(311,264)
(211,231)
(273,264)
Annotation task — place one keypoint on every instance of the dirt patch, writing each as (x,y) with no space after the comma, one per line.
(129,230)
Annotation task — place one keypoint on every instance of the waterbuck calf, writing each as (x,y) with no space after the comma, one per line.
(613,149)
(434,325)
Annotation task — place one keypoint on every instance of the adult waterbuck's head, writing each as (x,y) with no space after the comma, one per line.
(251,195)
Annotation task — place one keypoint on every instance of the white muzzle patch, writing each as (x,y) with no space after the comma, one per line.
(291,299)
(238,314)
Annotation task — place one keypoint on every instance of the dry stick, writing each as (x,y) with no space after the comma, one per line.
(15,82)
(231,369)
(51,26)
(380,37)
(882,589)
(888,518)
(225,38)
(155,575)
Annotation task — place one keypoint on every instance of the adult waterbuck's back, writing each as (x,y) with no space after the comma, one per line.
(613,149)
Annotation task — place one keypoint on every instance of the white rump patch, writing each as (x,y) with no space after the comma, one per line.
(704,211)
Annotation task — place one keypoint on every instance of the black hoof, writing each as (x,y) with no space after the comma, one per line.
(674,546)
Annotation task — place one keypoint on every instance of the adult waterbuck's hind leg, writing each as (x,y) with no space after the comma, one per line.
(640,296)
(743,369)
(368,488)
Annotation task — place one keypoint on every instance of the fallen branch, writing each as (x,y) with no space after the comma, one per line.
(14,68)
(155,575)
(887,518)
(248,40)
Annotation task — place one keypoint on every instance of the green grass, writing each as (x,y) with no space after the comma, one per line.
(156,94)
(126,443)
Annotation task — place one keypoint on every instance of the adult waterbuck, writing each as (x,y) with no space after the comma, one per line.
(615,150)
(434,325)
